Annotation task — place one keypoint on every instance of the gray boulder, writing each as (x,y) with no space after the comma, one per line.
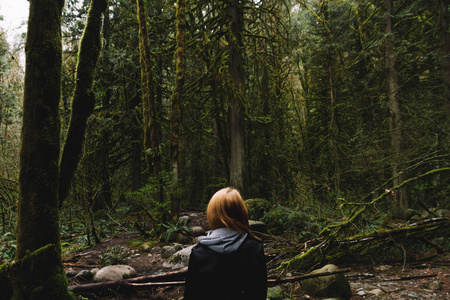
(332,286)
(113,273)
(197,231)
(180,259)
(169,250)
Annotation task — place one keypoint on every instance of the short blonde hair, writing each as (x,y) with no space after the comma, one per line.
(227,209)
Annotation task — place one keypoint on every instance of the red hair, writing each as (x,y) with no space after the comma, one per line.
(227,209)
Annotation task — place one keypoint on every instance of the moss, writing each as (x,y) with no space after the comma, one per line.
(40,275)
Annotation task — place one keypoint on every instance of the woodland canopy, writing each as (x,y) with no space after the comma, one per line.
(314,108)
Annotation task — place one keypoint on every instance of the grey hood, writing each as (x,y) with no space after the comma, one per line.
(223,240)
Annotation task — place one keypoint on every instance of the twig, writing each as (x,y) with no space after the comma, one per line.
(411,277)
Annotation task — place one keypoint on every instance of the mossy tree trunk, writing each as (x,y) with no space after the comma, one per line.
(176,101)
(83,101)
(38,222)
(236,94)
(42,276)
(151,144)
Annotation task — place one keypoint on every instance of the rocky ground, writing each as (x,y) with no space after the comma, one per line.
(426,280)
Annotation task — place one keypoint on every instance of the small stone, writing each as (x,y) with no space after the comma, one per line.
(377,292)
(361,293)
(70,272)
(434,285)
(383,267)
(183,219)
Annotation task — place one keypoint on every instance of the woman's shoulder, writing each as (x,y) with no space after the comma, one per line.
(250,243)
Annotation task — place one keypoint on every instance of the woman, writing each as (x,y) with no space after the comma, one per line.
(229,263)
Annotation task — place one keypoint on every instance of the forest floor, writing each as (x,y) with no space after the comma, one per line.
(393,280)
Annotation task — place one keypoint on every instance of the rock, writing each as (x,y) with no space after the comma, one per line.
(157,250)
(146,247)
(361,293)
(84,275)
(180,259)
(168,251)
(275,293)
(377,293)
(332,286)
(383,268)
(434,285)
(182,239)
(70,272)
(94,271)
(113,273)
(257,226)
(183,219)
(197,231)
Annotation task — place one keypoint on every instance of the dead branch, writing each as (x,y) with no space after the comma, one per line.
(144,282)
(333,250)
(411,277)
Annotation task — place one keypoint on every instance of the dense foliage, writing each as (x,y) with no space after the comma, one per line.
(316,103)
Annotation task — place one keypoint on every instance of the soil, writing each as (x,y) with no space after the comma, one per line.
(398,280)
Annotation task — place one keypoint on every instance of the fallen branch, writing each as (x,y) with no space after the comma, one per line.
(411,277)
(144,282)
(332,250)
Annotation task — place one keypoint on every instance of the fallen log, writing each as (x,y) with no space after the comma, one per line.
(144,282)
(332,250)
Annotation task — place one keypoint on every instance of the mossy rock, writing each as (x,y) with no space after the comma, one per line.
(332,286)
(275,293)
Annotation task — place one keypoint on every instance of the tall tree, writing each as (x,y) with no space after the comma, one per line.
(395,119)
(177,97)
(445,46)
(236,93)
(151,142)
(83,100)
(38,213)
(38,219)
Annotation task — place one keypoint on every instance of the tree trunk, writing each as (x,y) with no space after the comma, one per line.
(151,144)
(176,100)
(38,218)
(237,151)
(445,44)
(395,119)
(83,98)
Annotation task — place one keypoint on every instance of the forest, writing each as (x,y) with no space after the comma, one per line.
(331,117)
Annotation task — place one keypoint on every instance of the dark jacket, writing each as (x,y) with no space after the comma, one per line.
(239,275)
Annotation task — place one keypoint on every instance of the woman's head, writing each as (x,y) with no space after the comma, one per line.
(227,209)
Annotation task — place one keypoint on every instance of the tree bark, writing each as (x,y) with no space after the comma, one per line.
(237,145)
(83,100)
(38,218)
(445,44)
(395,119)
(176,103)
(151,143)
